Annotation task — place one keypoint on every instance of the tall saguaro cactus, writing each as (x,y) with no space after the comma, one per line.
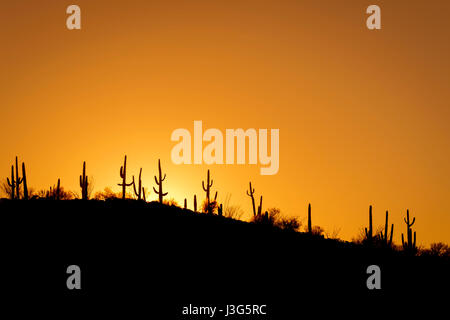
(409,246)
(25,185)
(207,189)
(195,203)
(140,187)
(15,183)
(159,182)
(384,237)
(260,206)
(251,193)
(58,190)
(12,183)
(84,183)
(369,233)
(18,180)
(123,175)
(309,219)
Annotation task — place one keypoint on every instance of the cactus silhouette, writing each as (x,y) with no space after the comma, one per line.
(207,189)
(159,182)
(140,187)
(384,237)
(250,193)
(57,191)
(220,210)
(260,206)
(409,246)
(309,219)
(25,185)
(185,203)
(12,183)
(195,203)
(123,175)
(15,183)
(84,183)
(369,233)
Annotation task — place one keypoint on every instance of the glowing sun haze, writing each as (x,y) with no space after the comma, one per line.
(363,115)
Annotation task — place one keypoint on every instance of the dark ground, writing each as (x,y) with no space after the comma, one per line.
(151,260)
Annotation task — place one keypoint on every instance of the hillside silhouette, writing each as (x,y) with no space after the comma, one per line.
(129,246)
(171,256)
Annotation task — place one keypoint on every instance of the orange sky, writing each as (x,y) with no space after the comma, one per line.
(363,115)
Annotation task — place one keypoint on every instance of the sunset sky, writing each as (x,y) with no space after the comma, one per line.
(363,115)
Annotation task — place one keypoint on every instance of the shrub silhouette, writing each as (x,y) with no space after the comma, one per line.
(108,194)
(272,217)
(439,249)
(57,192)
(171,202)
(231,211)
(209,206)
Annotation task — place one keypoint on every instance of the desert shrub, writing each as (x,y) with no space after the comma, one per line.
(107,194)
(211,207)
(171,202)
(438,249)
(232,211)
(274,218)
(334,234)
(291,223)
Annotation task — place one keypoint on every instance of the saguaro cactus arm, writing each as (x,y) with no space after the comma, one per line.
(12,183)
(409,246)
(25,185)
(159,182)
(250,193)
(123,175)
(140,188)
(84,183)
(207,189)
(18,180)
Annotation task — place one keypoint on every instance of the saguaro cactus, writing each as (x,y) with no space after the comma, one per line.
(15,183)
(140,187)
(84,183)
(18,180)
(195,203)
(25,185)
(207,189)
(159,182)
(369,233)
(220,210)
(250,193)
(185,203)
(123,175)
(309,219)
(58,190)
(409,246)
(260,206)
(384,237)
(12,183)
